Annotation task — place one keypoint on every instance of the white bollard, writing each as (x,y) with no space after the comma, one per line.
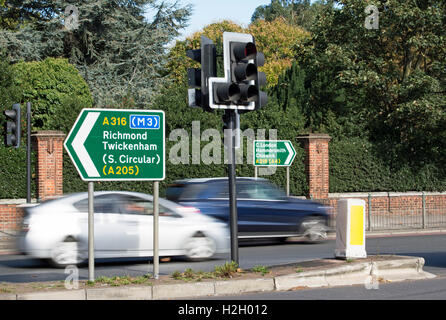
(350,229)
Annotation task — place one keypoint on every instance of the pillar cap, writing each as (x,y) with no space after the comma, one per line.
(323,136)
(48,133)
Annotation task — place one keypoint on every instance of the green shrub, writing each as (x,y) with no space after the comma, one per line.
(55,89)
(57,93)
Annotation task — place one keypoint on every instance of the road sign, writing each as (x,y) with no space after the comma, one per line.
(118,144)
(273,153)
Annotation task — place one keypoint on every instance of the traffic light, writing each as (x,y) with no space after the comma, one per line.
(245,61)
(198,93)
(12,126)
(240,89)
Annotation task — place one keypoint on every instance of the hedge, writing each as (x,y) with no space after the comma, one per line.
(357,165)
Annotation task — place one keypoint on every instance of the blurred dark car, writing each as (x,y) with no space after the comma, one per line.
(264,211)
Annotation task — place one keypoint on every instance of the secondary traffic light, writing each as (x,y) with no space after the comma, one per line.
(12,126)
(240,89)
(198,93)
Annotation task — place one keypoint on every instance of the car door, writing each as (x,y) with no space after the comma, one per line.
(111,227)
(263,210)
(137,216)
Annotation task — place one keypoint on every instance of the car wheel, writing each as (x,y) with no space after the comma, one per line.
(68,252)
(313,229)
(199,247)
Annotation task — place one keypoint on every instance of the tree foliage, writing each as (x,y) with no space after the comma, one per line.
(56,90)
(387,83)
(117,50)
(296,12)
(277,39)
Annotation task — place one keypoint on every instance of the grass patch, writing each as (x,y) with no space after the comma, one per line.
(260,269)
(5,290)
(349,260)
(225,271)
(120,281)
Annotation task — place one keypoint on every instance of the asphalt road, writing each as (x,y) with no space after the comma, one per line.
(18,268)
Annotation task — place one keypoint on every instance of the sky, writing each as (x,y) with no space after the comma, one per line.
(208,11)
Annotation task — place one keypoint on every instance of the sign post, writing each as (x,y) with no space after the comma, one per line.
(118,145)
(91,231)
(274,153)
(155,229)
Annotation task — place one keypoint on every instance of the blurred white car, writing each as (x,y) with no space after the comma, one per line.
(123,227)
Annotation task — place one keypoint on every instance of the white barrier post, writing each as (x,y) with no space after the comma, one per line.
(350,229)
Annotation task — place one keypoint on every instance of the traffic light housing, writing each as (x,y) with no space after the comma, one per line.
(240,89)
(12,126)
(198,92)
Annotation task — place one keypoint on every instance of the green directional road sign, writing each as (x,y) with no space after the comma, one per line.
(273,153)
(115,144)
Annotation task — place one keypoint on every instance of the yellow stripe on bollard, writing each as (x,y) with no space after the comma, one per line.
(357,225)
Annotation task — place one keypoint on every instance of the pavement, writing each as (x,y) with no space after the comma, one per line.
(368,271)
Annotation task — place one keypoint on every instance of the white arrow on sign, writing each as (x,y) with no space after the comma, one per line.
(290,153)
(79,140)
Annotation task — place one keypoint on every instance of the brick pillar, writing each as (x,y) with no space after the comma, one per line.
(316,164)
(49,146)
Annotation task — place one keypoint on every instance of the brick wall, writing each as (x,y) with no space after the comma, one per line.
(392,210)
(10,216)
(49,146)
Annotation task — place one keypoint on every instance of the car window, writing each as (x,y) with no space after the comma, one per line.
(122,204)
(219,190)
(264,191)
(140,206)
(105,203)
(81,205)
(244,190)
(251,190)
(102,204)
(178,192)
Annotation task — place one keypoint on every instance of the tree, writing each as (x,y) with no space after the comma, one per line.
(10,92)
(277,39)
(179,63)
(55,89)
(297,12)
(116,49)
(389,83)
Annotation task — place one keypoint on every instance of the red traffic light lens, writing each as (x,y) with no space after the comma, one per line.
(250,50)
(244,50)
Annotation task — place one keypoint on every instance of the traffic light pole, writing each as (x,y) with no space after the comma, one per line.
(28,152)
(233,217)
